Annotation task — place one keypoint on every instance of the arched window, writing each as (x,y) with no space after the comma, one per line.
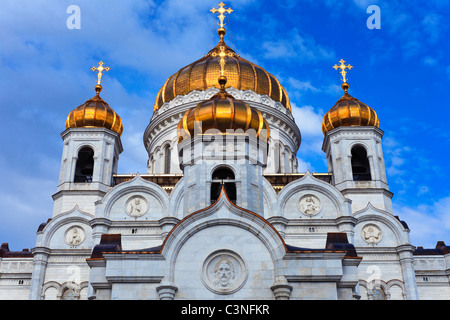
(167,159)
(360,164)
(67,295)
(84,168)
(378,294)
(223,177)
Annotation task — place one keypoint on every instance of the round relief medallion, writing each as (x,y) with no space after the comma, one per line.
(74,236)
(136,206)
(371,234)
(309,205)
(224,272)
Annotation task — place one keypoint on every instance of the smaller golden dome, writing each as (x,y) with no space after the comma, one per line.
(95,113)
(222,112)
(349,111)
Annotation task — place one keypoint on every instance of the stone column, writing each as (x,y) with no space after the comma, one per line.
(39,267)
(99,226)
(167,224)
(407,264)
(280,224)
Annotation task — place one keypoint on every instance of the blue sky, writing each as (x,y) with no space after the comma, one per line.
(401,70)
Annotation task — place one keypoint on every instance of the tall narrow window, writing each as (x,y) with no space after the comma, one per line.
(223,177)
(84,168)
(360,164)
(378,294)
(167,159)
(67,295)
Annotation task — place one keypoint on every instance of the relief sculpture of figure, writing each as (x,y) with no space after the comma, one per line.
(371,234)
(224,273)
(74,237)
(309,205)
(135,207)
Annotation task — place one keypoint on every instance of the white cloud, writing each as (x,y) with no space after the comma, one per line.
(303,165)
(301,85)
(308,120)
(428,223)
(310,155)
(303,48)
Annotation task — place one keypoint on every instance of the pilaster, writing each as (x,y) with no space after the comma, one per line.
(407,264)
(40,260)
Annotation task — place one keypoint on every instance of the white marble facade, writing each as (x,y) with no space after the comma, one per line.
(305,239)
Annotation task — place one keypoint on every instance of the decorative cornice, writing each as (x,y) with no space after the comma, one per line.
(171,112)
(340,132)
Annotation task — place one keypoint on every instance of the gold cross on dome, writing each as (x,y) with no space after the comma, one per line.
(221,10)
(342,66)
(222,54)
(100,70)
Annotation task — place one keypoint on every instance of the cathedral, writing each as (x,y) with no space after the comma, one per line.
(222,211)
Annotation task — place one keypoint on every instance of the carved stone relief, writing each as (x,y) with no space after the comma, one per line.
(136,206)
(371,234)
(75,236)
(224,272)
(309,205)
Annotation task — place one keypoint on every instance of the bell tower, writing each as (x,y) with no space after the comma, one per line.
(91,152)
(353,147)
(223,143)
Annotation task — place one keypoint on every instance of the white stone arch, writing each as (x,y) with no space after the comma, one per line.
(68,285)
(222,212)
(356,143)
(375,284)
(176,201)
(309,183)
(221,165)
(369,154)
(288,168)
(166,147)
(60,288)
(73,216)
(48,286)
(372,215)
(151,164)
(156,151)
(137,184)
(78,147)
(396,283)
(85,144)
(386,286)
(156,154)
(270,200)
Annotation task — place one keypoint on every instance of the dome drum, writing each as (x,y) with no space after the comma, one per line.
(223,113)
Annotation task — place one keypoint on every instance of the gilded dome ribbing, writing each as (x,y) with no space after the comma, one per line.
(222,112)
(349,111)
(96,113)
(202,74)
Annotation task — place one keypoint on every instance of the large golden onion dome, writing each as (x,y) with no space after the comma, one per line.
(349,111)
(96,113)
(222,112)
(202,74)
